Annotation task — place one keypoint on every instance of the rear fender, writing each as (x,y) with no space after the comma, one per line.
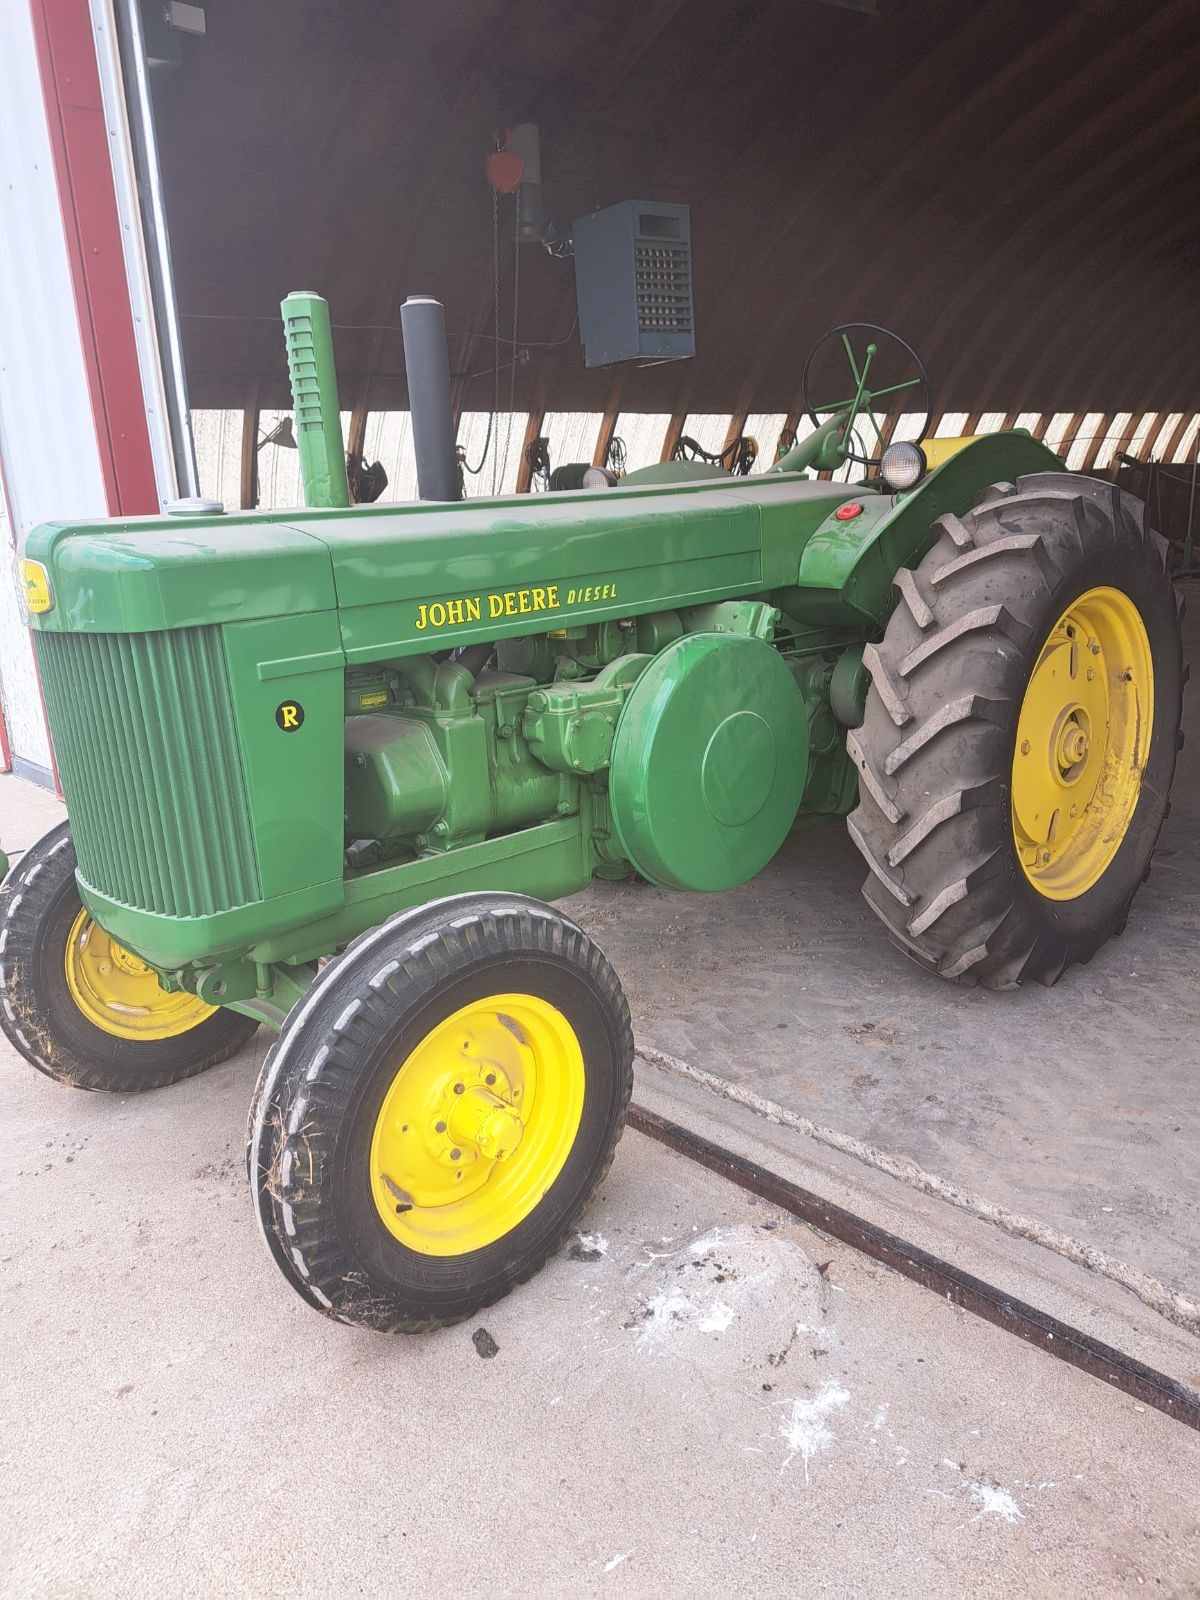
(848,566)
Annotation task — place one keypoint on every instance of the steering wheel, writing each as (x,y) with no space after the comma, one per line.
(882,348)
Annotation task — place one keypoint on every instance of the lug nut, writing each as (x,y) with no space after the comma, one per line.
(456,1155)
(439,1127)
(1024,747)
(458,1088)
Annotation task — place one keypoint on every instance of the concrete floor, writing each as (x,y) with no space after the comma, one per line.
(176,1422)
(713,1398)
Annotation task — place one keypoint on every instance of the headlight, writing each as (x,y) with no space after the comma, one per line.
(902,465)
(599,478)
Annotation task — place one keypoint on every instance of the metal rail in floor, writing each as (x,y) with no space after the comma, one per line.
(1014,1316)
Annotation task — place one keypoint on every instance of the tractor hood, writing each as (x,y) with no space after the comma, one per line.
(432,576)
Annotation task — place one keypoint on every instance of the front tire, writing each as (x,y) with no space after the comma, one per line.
(78,1006)
(1020,736)
(438,1110)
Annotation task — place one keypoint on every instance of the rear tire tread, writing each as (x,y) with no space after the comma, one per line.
(933,820)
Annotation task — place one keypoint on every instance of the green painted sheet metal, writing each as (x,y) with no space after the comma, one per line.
(150,573)
(293,773)
(484,572)
(649,549)
(709,761)
(318,423)
(604,555)
(846,568)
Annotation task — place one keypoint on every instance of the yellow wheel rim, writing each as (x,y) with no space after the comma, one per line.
(477,1124)
(119,993)
(1083,739)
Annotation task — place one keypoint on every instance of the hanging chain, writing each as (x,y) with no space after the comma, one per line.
(512,374)
(495,331)
(487,438)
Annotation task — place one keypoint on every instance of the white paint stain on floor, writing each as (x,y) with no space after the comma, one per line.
(994,1501)
(660,1312)
(989,1499)
(736,1298)
(730,1287)
(611,1566)
(805,1428)
(717,1319)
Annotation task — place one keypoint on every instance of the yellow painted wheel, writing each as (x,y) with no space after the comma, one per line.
(1083,740)
(120,994)
(477,1124)
(435,1115)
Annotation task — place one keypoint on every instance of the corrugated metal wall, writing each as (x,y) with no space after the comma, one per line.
(47,436)
(1090,442)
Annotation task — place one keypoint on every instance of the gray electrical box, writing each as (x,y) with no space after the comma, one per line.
(633,282)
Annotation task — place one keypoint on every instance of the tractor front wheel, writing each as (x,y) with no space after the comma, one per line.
(438,1110)
(79,1006)
(1020,735)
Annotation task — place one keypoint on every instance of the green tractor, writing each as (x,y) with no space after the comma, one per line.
(326,767)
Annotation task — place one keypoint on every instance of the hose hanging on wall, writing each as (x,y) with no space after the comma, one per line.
(537,456)
(737,457)
(367,482)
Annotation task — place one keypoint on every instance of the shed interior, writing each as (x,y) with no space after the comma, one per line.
(1011,186)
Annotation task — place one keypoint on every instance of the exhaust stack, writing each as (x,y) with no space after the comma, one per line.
(423,321)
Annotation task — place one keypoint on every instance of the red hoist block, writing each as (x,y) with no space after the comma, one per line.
(504,169)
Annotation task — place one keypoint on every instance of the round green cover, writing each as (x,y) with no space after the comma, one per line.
(708,762)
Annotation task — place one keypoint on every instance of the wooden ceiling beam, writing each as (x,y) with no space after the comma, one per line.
(249,463)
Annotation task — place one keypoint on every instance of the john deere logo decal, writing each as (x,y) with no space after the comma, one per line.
(35,586)
(290,715)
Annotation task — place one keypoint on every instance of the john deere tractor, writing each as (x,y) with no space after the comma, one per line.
(325,769)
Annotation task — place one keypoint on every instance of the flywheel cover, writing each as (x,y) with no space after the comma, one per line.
(709,762)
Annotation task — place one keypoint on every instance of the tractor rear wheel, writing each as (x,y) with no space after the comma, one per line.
(1021,730)
(438,1110)
(81,1008)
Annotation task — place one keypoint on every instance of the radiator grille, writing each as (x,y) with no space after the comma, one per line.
(144,737)
(664,287)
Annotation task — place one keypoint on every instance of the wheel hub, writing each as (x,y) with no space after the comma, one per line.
(1072,745)
(1082,741)
(125,961)
(481,1119)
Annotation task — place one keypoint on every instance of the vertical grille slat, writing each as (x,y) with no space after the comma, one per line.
(147,749)
(231,785)
(166,742)
(113,669)
(208,788)
(216,707)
